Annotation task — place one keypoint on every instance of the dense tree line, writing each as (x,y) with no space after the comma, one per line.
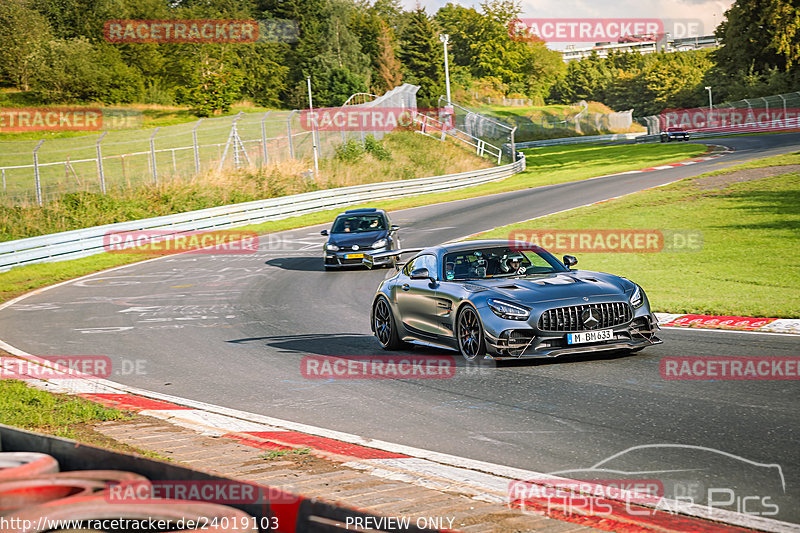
(56,50)
(759,56)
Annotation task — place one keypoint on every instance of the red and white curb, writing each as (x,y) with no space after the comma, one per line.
(718,151)
(740,323)
(480,480)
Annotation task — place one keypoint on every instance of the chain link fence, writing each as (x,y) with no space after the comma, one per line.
(38,171)
(581,122)
(476,127)
(757,114)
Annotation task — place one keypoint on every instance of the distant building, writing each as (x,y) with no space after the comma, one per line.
(643,44)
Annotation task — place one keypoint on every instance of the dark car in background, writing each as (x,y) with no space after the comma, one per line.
(355,232)
(674,134)
(501,300)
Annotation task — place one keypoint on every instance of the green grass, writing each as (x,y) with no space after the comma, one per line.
(25,407)
(542,169)
(748,265)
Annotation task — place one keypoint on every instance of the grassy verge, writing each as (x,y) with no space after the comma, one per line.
(401,155)
(62,415)
(543,169)
(750,222)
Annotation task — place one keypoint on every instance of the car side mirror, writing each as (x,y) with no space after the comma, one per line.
(324,232)
(570,260)
(421,273)
(395,227)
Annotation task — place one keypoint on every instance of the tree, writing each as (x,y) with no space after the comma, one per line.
(218,82)
(390,70)
(422,56)
(76,70)
(760,49)
(22,32)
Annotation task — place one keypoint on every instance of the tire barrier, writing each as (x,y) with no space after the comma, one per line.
(24,492)
(164,514)
(15,465)
(35,497)
(37,493)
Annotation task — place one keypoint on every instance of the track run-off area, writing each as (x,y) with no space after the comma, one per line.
(232,330)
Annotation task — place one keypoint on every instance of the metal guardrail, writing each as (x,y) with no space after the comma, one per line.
(579,140)
(75,244)
(789,125)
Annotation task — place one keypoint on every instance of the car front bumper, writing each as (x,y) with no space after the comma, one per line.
(339,259)
(516,340)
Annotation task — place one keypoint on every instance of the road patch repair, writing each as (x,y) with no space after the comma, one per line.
(435,491)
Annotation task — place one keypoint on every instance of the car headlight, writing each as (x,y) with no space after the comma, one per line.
(331,247)
(636,298)
(379,243)
(508,310)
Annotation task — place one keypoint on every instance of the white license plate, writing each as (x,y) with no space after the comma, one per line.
(590,336)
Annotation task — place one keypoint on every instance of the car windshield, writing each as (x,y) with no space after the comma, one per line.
(674,129)
(358,224)
(498,262)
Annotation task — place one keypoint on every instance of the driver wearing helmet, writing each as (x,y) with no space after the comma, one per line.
(511,263)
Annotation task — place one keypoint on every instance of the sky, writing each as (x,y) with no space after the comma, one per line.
(705,14)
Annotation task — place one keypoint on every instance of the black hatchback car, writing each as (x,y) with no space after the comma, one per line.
(355,232)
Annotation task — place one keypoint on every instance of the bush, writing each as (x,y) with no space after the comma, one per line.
(377,149)
(350,152)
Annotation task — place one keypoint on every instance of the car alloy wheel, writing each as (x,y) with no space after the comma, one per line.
(385,329)
(470,334)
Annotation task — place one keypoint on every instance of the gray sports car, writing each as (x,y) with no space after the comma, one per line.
(506,300)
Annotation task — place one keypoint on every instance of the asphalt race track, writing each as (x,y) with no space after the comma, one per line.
(232,330)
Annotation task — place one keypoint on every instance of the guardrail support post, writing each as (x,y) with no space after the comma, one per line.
(196,147)
(36,177)
(100,173)
(153,155)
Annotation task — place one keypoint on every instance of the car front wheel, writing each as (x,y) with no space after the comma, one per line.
(469,333)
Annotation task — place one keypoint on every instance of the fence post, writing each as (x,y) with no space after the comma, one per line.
(153,155)
(289,133)
(264,155)
(196,147)
(36,176)
(513,146)
(100,164)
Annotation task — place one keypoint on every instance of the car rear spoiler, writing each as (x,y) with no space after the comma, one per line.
(369,259)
